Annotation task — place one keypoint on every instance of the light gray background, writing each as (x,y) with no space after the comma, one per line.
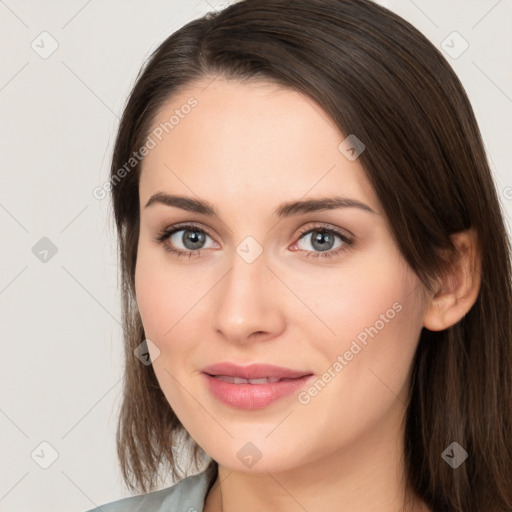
(61,346)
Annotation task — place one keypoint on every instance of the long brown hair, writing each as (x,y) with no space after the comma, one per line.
(381,79)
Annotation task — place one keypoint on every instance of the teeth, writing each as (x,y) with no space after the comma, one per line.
(264,380)
(239,380)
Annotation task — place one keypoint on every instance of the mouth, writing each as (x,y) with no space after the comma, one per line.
(241,380)
(253,372)
(255,386)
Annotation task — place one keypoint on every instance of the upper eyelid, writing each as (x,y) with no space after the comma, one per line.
(327,227)
(183,226)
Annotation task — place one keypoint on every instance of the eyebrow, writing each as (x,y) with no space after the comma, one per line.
(284,210)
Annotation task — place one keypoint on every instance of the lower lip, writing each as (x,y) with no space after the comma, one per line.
(253,396)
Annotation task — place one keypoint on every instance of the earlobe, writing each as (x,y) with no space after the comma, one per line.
(458,290)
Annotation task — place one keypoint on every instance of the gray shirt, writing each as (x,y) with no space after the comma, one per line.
(188,495)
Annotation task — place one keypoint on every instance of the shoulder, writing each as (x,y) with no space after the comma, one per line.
(188,495)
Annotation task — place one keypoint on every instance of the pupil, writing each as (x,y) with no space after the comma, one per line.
(324,241)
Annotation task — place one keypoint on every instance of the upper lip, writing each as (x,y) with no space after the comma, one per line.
(253,371)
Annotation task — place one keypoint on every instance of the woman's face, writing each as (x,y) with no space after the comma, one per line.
(320,291)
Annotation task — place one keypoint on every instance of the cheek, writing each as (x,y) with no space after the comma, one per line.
(376,348)
(164,292)
(371,291)
(365,379)
(374,313)
(150,289)
(164,296)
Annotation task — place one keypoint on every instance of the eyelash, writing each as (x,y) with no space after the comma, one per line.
(168,232)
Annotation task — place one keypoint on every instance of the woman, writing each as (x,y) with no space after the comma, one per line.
(315,263)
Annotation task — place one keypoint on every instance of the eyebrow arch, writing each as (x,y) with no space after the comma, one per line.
(284,210)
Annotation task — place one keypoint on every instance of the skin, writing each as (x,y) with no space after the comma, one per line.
(246,148)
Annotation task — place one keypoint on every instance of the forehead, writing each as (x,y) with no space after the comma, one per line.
(253,141)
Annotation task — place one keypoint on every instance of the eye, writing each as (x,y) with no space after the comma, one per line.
(322,241)
(319,241)
(185,240)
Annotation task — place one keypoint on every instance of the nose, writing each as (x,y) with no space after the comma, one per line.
(248,303)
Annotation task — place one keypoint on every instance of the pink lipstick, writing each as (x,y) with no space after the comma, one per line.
(254,386)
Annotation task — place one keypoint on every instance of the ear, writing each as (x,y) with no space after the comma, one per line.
(457,291)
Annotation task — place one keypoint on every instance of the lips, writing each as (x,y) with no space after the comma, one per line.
(255,386)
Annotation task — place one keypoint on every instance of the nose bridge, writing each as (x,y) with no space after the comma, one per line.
(245,301)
